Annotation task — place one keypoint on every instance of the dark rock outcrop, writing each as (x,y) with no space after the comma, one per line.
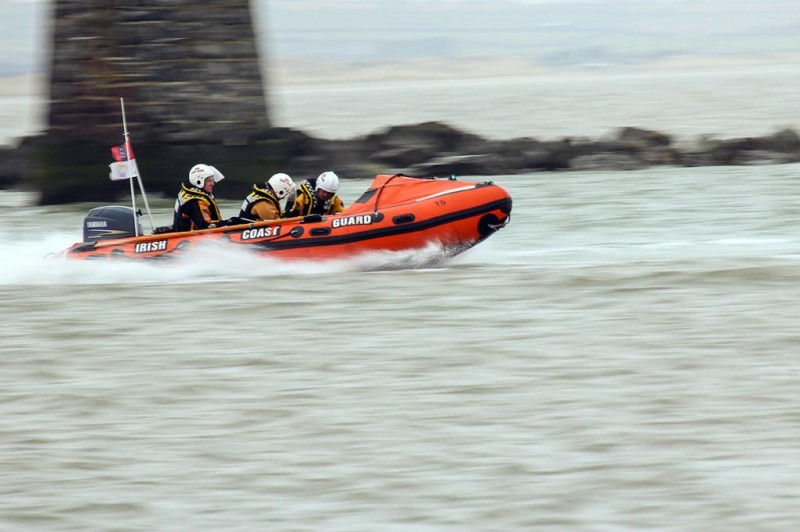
(428,149)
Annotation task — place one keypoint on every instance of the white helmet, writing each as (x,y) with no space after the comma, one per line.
(200,172)
(328,181)
(282,185)
(217,174)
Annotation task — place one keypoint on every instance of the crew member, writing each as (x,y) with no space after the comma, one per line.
(264,201)
(317,196)
(196,207)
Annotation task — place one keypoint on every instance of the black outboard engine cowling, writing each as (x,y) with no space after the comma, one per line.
(104,223)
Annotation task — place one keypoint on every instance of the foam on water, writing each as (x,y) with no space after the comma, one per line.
(37,262)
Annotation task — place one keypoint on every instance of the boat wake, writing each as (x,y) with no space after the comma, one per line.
(34,263)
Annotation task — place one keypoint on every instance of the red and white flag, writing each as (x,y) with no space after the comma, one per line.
(125,165)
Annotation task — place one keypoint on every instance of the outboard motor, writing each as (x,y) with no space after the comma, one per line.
(104,223)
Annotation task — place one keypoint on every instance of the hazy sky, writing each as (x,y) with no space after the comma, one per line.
(552,33)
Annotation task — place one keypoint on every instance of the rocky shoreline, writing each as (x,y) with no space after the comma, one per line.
(424,150)
(436,149)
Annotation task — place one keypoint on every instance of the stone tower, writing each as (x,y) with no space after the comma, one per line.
(189,70)
(191,77)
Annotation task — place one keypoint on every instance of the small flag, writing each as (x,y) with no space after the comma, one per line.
(123,170)
(123,152)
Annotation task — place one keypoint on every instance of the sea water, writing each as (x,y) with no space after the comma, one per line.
(623,355)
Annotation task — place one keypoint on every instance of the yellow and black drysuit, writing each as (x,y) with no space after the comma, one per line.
(306,202)
(195,209)
(260,204)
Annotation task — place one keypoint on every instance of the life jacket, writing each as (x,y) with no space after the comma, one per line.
(306,201)
(256,195)
(207,203)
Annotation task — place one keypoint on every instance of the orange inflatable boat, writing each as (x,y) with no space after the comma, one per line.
(396,213)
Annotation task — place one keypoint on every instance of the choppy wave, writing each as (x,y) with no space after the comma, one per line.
(36,263)
(596,364)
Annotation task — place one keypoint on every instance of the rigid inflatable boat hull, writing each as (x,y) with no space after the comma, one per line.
(396,213)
